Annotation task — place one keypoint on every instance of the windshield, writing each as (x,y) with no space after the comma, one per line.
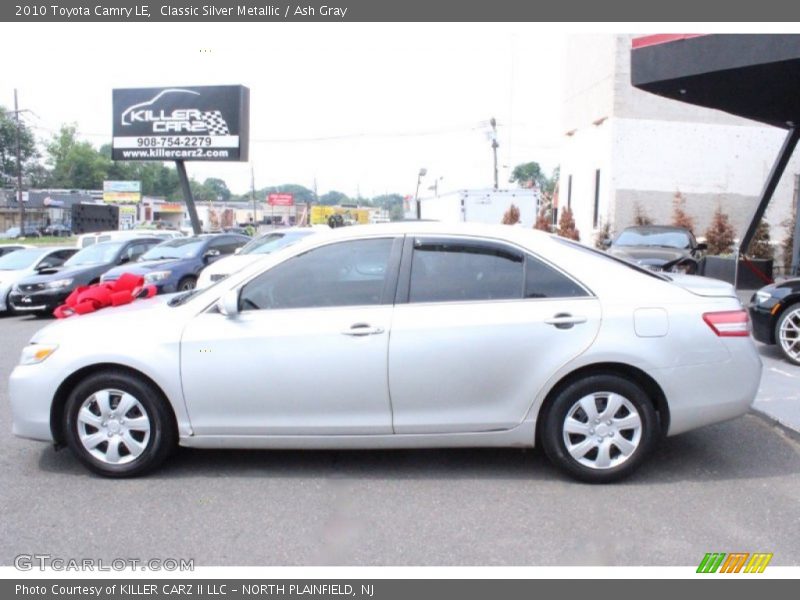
(177,248)
(21,259)
(654,237)
(95,255)
(272,241)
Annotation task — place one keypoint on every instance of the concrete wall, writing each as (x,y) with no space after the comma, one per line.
(648,148)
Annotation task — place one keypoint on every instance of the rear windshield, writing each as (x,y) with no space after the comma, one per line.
(606,256)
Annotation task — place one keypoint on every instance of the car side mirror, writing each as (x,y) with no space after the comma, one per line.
(701,247)
(123,259)
(228,304)
(607,243)
(239,249)
(210,255)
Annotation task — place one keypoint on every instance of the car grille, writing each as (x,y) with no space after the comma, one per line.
(31,287)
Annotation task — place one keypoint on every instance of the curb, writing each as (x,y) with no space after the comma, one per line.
(785,429)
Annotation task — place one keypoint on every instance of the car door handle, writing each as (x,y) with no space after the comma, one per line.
(565,320)
(361,329)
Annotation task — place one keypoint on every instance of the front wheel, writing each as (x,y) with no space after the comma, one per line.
(787,333)
(186,284)
(599,429)
(118,425)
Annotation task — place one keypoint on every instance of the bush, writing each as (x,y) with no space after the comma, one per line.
(511,216)
(603,234)
(640,217)
(787,244)
(679,216)
(760,246)
(566,225)
(720,235)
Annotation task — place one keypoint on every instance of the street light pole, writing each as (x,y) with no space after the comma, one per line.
(420,175)
(493,123)
(19,171)
(253,194)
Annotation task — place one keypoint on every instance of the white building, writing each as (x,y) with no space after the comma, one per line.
(478,206)
(624,147)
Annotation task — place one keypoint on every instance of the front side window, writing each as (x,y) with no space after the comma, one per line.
(343,274)
(456,271)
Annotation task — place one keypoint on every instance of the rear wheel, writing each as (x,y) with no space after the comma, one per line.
(118,425)
(600,428)
(787,333)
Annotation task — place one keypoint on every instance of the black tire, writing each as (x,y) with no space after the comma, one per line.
(187,283)
(790,312)
(552,433)
(162,430)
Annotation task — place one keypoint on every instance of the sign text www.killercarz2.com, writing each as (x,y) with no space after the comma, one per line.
(195,589)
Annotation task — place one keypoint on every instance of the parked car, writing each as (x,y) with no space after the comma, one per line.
(49,287)
(396,336)
(25,262)
(98,237)
(174,266)
(775,311)
(13,233)
(57,230)
(660,248)
(9,248)
(251,252)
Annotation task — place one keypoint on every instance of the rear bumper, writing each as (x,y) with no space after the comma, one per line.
(700,395)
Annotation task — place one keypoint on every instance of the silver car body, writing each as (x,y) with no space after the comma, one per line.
(9,277)
(433,374)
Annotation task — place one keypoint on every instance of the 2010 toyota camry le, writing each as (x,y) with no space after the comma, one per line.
(403,335)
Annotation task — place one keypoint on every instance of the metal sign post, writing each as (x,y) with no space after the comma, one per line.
(187,196)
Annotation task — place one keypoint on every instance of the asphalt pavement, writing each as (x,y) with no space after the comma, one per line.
(729,487)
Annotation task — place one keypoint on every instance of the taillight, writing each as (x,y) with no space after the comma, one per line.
(729,323)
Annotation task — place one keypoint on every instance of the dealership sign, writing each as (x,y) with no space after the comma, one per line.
(280,199)
(122,192)
(181,123)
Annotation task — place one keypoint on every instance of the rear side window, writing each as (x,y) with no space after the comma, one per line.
(543,281)
(453,271)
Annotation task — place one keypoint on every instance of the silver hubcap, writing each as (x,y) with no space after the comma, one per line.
(602,430)
(789,334)
(113,426)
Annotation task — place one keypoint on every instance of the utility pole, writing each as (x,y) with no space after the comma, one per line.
(19,171)
(493,123)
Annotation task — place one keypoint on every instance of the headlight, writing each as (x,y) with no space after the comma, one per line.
(762,296)
(157,276)
(57,285)
(33,354)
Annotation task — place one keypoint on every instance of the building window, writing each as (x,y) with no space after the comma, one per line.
(569,192)
(595,219)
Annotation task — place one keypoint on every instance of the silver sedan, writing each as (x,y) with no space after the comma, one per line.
(399,336)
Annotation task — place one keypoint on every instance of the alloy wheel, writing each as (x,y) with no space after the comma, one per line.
(789,334)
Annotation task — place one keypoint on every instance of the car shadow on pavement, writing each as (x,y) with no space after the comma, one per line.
(747,448)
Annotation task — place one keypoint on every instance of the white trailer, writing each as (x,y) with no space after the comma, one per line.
(479,206)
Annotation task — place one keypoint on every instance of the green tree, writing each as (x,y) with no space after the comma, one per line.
(8,149)
(218,187)
(333,198)
(75,164)
(528,174)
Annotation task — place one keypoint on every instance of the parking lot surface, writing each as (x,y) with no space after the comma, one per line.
(730,487)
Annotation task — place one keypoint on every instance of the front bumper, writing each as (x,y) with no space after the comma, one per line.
(45,301)
(762,316)
(31,389)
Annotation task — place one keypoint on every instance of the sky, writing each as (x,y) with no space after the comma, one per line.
(360,108)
